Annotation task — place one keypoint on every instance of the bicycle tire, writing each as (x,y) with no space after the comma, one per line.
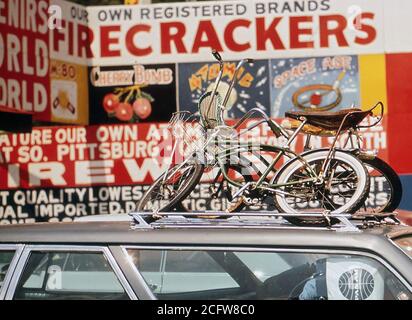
(393,180)
(355,202)
(196,173)
(391,177)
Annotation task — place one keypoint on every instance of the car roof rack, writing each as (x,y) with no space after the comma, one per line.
(254,219)
(366,220)
(261,219)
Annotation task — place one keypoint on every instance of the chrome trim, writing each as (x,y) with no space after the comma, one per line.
(18,249)
(312,251)
(180,220)
(104,218)
(17,274)
(139,276)
(138,221)
(66,248)
(119,274)
(254,226)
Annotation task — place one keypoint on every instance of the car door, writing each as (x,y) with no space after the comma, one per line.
(261,273)
(67,272)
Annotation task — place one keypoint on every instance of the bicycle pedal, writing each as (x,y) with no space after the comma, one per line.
(251,201)
(234,204)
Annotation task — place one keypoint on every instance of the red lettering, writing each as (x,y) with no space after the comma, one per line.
(264,34)
(296,31)
(130,44)
(369,30)
(106,41)
(212,41)
(338,32)
(229,39)
(84,42)
(71,38)
(176,38)
(58,37)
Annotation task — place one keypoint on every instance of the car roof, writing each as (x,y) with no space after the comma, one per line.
(373,241)
(123,232)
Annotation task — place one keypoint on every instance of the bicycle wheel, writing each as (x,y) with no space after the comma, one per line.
(386,188)
(249,166)
(343,190)
(171,187)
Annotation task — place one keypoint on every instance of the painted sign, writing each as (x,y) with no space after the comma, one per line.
(36,73)
(24,57)
(186,32)
(321,84)
(251,90)
(64,172)
(132,94)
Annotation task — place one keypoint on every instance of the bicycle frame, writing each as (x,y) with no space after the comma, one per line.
(282,151)
(237,148)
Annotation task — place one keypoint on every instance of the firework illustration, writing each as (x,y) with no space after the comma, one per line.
(251,90)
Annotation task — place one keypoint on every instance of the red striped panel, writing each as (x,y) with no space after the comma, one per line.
(399,92)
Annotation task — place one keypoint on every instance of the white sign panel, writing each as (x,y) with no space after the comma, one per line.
(398,26)
(186,32)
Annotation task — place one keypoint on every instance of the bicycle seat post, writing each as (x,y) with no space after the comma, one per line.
(307,142)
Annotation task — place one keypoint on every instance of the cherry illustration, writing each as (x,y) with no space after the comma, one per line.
(119,103)
(142,108)
(110,102)
(124,112)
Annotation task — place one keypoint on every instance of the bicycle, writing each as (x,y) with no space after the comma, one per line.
(313,176)
(379,171)
(382,176)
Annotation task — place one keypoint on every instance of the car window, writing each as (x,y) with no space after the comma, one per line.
(199,274)
(406,244)
(68,275)
(5,260)
(265,266)
(175,271)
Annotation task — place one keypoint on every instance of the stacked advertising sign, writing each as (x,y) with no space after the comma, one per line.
(35,76)
(59,173)
(63,172)
(121,71)
(24,57)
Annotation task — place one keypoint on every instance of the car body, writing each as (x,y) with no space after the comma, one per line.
(176,257)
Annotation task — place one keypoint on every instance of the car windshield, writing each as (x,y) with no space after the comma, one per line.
(406,244)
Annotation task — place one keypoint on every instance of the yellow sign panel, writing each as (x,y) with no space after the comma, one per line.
(372,70)
(69,94)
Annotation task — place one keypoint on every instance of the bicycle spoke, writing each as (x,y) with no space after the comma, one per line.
(328,200)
